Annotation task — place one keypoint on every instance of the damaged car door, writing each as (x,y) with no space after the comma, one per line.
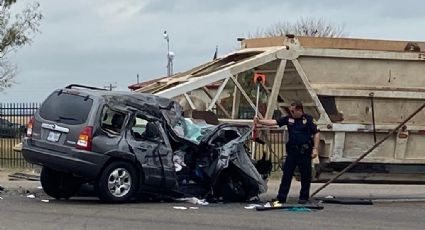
(152,149)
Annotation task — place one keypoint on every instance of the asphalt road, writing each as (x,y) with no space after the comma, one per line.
(19,212)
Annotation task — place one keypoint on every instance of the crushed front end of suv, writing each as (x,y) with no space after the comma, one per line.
(131,144)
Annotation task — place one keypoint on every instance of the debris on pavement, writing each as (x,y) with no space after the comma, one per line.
(252,206)
(1,198)
(298,209)
(294,208)
(45,201)
(276,205)
(348,201)
(31,196)
(185,208)
(193,200)
(23,176)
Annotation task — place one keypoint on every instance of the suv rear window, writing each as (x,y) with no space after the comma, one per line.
(66,108)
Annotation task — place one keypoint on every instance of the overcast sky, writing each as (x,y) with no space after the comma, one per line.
(97,42)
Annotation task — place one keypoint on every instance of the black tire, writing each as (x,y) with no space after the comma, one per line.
(231,186)
(57,184)
(117,183)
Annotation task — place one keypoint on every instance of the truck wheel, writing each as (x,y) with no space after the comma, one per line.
(117,183)
(57,184)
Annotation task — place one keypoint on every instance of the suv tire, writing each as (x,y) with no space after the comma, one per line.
(57,184)
(231,186)
(117,183)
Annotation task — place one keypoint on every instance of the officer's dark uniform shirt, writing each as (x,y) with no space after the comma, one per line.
(300,130)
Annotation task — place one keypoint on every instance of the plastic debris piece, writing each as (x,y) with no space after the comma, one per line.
(45,201)
(31,196)
(1,198)
(39,187)
(277,204)
(298,209)
(180,207)
(267,205)
(194,208)
(329,197)
(194,200)
(252,206)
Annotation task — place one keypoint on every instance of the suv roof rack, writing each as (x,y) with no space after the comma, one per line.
(82,86)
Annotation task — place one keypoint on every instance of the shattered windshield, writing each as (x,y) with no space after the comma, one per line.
(192,130)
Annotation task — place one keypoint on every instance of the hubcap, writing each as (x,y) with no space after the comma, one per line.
(119,182)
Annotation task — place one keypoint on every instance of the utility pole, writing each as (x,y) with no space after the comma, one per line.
(170,55)
(109,86)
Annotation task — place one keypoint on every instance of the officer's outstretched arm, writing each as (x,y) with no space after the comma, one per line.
(267,122)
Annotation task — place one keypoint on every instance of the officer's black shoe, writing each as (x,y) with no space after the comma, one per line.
(302,201)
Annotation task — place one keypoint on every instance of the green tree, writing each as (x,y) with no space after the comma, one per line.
(308,26)
(16,31)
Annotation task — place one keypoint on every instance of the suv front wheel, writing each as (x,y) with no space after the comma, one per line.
(117,183)
(57,184)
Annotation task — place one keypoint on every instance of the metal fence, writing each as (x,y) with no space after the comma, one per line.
(13,120)
(274,146)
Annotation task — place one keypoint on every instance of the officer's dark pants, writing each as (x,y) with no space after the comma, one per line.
(303,161)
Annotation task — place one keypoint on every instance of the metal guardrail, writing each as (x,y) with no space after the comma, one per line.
(13,120)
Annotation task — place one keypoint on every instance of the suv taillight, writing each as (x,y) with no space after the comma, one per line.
(29,127)
(85,138)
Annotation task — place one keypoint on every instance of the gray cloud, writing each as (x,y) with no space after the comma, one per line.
(100,41)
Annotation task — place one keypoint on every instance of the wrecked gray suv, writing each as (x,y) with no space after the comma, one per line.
(130,145)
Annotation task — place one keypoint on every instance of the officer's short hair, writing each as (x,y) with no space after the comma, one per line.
(297,104)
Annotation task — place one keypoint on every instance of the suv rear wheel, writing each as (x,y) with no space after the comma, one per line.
(57,184)
(117,183)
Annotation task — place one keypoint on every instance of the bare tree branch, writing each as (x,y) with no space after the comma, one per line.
(308,26)
(16,31)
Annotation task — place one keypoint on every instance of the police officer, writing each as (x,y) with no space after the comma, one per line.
(301,147)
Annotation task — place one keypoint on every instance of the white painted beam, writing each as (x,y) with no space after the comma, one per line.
(245,95)
(271,104)
(323,115)
(221,74)
(192,105)
(217,95)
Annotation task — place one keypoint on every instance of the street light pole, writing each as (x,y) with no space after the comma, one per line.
(167,38)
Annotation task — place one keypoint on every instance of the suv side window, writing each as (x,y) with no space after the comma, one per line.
(112,121)
(138,128)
